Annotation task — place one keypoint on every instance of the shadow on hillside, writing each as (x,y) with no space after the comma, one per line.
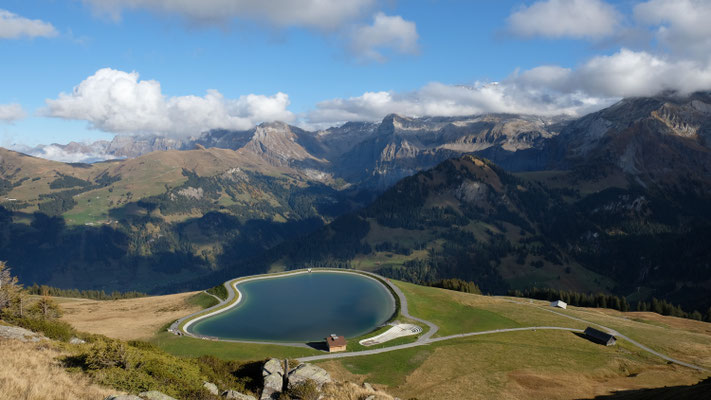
(701,390)
(320,346)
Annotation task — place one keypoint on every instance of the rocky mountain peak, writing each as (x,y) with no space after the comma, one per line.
(279,144)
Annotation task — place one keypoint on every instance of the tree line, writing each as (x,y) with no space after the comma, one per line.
(601,300)
(83,294)
(456,284)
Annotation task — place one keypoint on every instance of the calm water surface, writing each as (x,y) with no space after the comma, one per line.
(302,308)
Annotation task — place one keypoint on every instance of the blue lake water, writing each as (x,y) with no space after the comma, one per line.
(301,308)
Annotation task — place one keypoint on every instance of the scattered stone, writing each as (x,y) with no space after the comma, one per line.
(155,395)
(233,394)
(21,334)
(305,372)
(76,340)
(367,386)
(211,387)
(273,374)
(123,397)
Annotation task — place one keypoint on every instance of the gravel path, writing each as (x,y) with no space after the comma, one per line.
(428,341)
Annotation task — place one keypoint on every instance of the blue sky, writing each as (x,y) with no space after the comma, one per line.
(414,57)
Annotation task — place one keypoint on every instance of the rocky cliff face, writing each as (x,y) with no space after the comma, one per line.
(659,141)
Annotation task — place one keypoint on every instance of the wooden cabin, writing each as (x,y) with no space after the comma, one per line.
(336,343)
(599,336)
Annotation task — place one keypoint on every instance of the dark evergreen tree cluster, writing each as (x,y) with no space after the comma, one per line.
(43,290)
(664,307)
(456,284)
(599,300)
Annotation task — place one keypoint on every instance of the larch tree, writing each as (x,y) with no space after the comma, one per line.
(10,290)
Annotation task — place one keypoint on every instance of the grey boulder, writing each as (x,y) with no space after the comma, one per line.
(273,374)
(306,372)
(155,395)
(211,387)
(233,394)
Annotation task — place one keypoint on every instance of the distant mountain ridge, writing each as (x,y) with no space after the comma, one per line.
(371,154)
(639,137)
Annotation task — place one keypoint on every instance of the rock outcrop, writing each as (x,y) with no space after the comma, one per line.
(308,372)
(211,387)
(155,395)
(233,394)
(21,334)
(273,374)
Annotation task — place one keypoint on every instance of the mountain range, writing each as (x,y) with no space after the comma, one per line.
(613,201)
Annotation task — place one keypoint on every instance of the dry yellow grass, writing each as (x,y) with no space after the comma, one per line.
(351,391)
(130,319)
(31,371)
(490,370)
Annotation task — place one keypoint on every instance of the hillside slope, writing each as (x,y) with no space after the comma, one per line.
(469,219)
(163,217)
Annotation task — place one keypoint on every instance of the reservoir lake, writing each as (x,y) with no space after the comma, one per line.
(302,308)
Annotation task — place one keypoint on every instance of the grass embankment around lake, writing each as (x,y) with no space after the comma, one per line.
(191,347)
(202,300)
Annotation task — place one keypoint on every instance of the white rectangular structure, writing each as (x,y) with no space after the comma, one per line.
(559,304)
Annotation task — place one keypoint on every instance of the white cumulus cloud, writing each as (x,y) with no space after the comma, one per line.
(386,33)
(681,26)
(322,14)
(13,26)
(11,112)
(116,101)
(565,18)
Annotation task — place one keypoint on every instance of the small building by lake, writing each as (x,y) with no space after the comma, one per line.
(336,343)
(599,337)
